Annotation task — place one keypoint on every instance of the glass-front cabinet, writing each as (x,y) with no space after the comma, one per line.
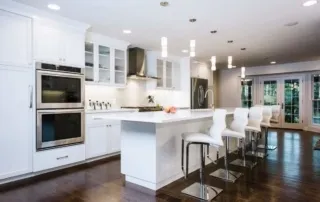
(168,74)
(105,64)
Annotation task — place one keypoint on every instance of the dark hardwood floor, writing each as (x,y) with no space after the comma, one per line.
(290,173)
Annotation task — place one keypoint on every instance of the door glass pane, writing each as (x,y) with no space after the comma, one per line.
(89,58)
(291,101)
(270,92)
(246,93)
(316,100)
(169,74)
(160,73)
(104,64)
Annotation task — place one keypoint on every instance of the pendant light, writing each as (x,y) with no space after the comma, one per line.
(192,48)
(213,63)
(243,72)
(229,62)
(164,46)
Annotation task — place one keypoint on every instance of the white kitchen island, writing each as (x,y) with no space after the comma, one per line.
(151,145)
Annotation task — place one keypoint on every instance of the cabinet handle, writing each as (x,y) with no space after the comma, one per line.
(31,97)
(62,157)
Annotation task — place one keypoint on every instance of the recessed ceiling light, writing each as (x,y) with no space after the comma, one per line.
(126,31)
(164,3)
(290,24)
(310,3)
(273,62)
(213,31)
(184,51)
(192,20)
(234,66)
(54,7)
(230,41)
(243,49)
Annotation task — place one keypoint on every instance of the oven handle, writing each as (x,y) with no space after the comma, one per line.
(60,111)
(31,96)
(56,73)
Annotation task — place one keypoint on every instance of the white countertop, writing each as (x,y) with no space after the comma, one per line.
(163,117)
(110,111)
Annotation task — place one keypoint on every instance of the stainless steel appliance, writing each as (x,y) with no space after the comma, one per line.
(59,86)
(60,105)
(198,91)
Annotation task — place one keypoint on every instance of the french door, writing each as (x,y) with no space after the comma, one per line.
(285,91)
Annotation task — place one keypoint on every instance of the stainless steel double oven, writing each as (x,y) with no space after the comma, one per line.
(60,105)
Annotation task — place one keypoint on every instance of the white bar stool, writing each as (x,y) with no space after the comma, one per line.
(254,128)
(265,124)
(201,190)
(237,130)
(276,110)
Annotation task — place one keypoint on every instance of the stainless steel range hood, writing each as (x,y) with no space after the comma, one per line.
(137,65)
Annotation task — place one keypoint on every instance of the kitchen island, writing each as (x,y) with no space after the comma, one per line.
(151,145)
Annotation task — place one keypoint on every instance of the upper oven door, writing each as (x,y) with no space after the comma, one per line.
(59,90)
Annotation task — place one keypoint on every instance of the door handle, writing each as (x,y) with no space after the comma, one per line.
(281,105)
(31,97)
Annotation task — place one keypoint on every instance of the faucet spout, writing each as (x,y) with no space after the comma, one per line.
(209,90)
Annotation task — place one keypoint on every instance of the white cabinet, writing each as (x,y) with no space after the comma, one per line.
(15,40)
(114,138)
(58,44)
(105,61)
(16,121)
(168,73)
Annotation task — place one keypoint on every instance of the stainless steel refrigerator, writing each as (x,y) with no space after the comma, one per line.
(198,90)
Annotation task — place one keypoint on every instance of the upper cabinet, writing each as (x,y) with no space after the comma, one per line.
(58,43)
(167,71)
(105,60)
(15,40)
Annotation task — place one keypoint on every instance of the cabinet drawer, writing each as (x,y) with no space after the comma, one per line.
(58,157)
(96,119)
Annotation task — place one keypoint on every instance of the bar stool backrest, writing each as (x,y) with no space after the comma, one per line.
(267,114)
(219,124)
(255,116)
(276,109)
(240,120)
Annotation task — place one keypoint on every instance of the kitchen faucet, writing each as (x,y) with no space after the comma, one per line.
(212,96)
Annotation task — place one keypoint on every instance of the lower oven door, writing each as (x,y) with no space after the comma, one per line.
(59,127)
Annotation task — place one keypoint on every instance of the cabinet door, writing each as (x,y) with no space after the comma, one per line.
(104,64)
(119,67)
(168,77)
(160,73)
(96,141)
(16,122)
(47,43)
(114,138)
(176,76)
(15,40)
(72,49)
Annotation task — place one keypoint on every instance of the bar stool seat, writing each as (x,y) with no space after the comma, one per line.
(200,138)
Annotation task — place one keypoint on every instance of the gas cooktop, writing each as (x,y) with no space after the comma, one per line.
(145,108)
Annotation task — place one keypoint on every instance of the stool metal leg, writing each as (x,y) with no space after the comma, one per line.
(182,158)
(255,148)
(226,174)
(266,146)
(201,190)
(243,162)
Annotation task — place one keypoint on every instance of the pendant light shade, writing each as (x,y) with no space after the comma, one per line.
(213,63)
(243,72)
(229,62)
(164,47)
(192,48)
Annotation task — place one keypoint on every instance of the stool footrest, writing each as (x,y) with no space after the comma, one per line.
(256,154)
(269,147)
(226,175)
(202,191)
(242,163)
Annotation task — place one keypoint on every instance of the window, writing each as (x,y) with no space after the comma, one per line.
(316,99)
(246,93)
(270,92)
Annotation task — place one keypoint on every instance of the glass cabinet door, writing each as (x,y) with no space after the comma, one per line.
(104,64)
(270,92)
(168,74)
(119,67)
(160,73)
(89,61)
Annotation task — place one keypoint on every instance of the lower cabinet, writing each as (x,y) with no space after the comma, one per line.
(102,137)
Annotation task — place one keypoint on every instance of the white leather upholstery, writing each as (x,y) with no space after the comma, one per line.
(255,119)
(214,136)
(276,109)
(237,126)
(267,115)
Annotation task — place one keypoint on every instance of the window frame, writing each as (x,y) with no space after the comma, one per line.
(252,93)
(312,97)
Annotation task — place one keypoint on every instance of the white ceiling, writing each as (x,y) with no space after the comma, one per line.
(254,24)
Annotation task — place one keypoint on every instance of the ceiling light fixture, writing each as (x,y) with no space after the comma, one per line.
(192,20)
(291,24)
(243,72)
(164,46)
(54,7)
(164,3)
(213,31)
(310,3)
(273,62)
(184,51)
(234,66)
(230,41)
(213,63)
(192,48)
(229,62)
(126,31)
(243,49)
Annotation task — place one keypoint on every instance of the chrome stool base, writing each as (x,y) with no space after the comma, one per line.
(242,163)
(226,175)
(203,191)
(257,154)
(269,147)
